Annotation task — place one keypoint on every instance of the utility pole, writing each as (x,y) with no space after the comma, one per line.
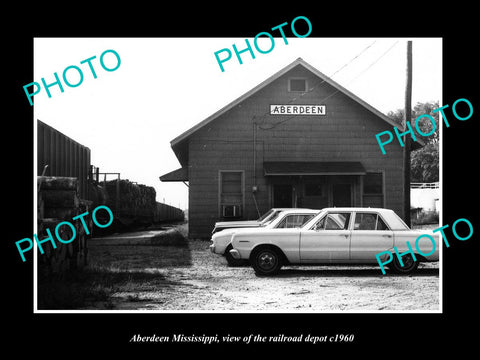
(406,149)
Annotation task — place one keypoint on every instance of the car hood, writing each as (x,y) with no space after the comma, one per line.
(236,230)
(237,223)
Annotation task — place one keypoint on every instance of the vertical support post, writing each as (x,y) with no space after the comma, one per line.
(254,184)
(117,202)
(406,148)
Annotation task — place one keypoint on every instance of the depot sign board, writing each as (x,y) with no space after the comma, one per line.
(298,109)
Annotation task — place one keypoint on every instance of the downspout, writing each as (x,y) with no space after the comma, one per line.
(254,187)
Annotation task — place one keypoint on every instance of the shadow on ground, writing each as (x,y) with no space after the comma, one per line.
(95,285)
(350,272)
(124,263)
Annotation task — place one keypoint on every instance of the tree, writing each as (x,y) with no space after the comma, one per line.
(424,164)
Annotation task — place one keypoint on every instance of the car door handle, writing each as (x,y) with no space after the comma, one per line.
(389,236)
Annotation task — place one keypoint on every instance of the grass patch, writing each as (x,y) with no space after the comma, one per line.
(426,217)
(139,257)
(169,238)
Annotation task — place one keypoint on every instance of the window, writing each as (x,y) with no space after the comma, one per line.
(381,224)
(333,221)
(273,215)
(369,221)
(373,189)
(294,221)
(395,221)
(268,214)
(297,85)
(231,194)
(231,182)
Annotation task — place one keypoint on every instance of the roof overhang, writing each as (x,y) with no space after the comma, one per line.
(305,168)
(176,175)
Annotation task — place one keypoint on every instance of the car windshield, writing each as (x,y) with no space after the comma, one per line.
(273,215)
(267,214)
(293,221)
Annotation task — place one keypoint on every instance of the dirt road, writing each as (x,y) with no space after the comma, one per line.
(154,271)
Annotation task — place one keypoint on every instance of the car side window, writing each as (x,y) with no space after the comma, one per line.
(333,221)
(306,218)
(294,221)
(381,224)
(320,224)
(369,221)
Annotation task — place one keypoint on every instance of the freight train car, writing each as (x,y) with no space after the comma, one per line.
(63,156)
(64,162)
(62,193)
(166,213)
(134,205)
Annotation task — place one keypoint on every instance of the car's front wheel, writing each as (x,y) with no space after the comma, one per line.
(409,264)
(266,261)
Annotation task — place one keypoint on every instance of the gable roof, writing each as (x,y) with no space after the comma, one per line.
(272,78)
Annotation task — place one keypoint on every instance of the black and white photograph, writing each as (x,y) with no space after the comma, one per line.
(225,183)
(258,187)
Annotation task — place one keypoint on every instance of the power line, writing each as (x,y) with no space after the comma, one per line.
(374,62)
(324,80)
(365,70)
(335,92)
(344,66)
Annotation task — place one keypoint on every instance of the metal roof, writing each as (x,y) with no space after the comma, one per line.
(176,175)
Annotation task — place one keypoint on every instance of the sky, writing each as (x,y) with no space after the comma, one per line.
(164,86)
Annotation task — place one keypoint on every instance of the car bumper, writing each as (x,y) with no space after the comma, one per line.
(217,249)
(235,254)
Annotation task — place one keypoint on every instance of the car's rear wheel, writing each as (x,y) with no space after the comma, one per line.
(409,264)
(266,261)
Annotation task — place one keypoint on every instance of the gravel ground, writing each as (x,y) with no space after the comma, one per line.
(170,273)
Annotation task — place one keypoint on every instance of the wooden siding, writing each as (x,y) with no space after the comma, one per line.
(346,133)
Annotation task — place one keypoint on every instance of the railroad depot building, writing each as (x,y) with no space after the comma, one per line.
(298,139)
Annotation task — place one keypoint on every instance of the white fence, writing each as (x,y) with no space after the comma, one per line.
(425,196)
(434,185)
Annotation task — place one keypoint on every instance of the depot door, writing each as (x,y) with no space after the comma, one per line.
(342,195)
(282,195)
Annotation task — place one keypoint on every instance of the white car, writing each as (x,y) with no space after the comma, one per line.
(284,219)
(263,220)
(336,236)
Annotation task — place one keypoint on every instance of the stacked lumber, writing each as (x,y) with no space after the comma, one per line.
(58,201)
(130,202)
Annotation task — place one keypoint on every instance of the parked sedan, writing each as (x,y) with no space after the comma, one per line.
(263,220)
(334,236)
(284,219)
